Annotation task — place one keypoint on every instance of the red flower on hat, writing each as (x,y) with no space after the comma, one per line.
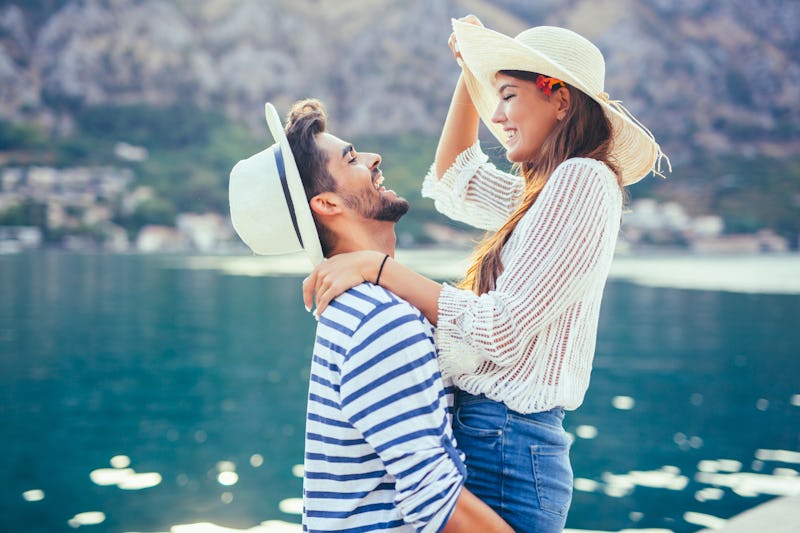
(547,84)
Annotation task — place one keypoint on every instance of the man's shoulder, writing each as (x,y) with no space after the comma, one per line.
(368,303)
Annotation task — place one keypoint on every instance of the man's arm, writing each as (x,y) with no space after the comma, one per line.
(391,391)
(471,514)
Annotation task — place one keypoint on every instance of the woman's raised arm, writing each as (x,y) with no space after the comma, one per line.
(460,128)
(341,272)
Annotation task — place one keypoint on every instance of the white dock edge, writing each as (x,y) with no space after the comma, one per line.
(781,515)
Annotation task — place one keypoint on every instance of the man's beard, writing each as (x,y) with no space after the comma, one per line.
(385,209)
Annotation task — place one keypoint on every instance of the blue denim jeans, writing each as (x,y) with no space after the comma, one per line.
(518,464)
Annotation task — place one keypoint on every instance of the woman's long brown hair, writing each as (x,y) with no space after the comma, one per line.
(585,131)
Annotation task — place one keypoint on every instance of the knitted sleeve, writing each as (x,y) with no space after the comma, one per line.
(474,191)
(549,258)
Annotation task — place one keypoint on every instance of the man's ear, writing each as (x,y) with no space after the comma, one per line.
(325,204)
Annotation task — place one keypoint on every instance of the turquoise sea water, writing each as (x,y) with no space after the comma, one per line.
(150,394)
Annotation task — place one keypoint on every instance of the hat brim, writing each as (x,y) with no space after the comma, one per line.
(485,52)
(305,220)
(268,205)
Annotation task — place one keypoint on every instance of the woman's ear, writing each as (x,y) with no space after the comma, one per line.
(325,204)
(562,100)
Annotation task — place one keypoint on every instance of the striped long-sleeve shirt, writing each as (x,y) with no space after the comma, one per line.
(379,451)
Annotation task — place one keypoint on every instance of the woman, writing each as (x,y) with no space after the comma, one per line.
(518,335)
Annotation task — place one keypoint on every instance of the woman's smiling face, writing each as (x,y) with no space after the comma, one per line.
(526,114)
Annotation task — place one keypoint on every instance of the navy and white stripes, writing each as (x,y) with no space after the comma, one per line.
(380,454)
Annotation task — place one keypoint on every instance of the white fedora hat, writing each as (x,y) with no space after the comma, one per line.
(269,208)
(562,54)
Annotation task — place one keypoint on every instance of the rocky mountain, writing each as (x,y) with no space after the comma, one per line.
(715,80)
(707,76)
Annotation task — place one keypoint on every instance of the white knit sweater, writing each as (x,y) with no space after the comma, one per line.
(530,342)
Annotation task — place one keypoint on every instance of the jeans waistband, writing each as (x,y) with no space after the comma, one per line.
(465,398)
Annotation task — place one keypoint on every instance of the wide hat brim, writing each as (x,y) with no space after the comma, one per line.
(269,208)
(485,52)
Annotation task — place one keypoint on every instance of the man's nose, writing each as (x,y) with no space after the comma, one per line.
(373,160)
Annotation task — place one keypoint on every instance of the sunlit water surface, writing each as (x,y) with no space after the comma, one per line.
(167,394)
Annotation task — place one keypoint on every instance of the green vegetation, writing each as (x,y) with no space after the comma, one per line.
(751,194)
(173,127)
(27,213)
(15,136)
(191,152)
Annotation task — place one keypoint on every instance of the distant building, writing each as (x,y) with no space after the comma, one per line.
(77,200)
(753,243)
(18,238)
(204,232)
(130,152)
(155,239)
(651,222)
(707,227)
(132,199)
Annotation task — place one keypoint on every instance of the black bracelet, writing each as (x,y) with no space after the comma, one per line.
(378,278)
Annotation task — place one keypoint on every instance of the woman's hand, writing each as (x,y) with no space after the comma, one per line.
(453,43)
(337,274)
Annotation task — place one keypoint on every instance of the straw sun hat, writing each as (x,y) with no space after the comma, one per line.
(562,54)
(269,208)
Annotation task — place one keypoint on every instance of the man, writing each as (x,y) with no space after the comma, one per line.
(379,451)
